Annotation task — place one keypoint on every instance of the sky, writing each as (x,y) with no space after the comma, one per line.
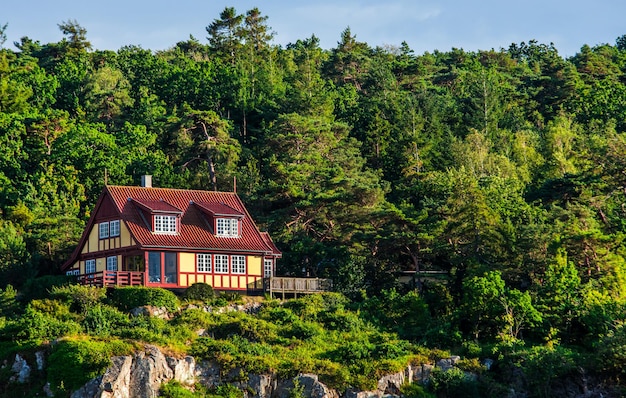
(426,25)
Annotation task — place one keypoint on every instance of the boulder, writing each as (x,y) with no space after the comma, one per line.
(148,371)
(21,369)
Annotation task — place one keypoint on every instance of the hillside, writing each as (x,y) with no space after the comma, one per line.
(502,170)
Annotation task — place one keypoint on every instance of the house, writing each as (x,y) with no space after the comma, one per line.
(172,238)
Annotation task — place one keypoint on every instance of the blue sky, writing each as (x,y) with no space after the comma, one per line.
(426,25)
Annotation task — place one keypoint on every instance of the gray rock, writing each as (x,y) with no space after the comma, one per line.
(90,390)
(21,369)
(184,370)
(116,380)
(149,369)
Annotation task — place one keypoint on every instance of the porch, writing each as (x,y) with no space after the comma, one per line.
(112,278)
(294,286)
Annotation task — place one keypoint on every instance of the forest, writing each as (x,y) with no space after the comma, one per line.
(503,170)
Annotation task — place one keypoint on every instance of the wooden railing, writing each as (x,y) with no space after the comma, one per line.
(288,285)
(112,278)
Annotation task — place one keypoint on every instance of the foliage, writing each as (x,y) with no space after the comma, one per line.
(127,298)
(199,292)
(491,180)
(73,362)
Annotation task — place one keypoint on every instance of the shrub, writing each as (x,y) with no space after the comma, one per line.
(302,330)
(79,297)
(278,315)
(231,297)
(74,362)
(127,298)
(199,292)
(414,390)
(104,320)
(453,383)
(35,325)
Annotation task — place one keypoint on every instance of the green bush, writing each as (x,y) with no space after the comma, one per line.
(104,320)
(173,389)
(199,292)
(35,325)
(127,298)
(302,330)
(74,362)
(278,315)
(414,390)
(453,383)
(53,308)
(79,297)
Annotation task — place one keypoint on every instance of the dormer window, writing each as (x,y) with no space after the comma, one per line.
(228,227)
(223,220)
(163,217)
(165,224)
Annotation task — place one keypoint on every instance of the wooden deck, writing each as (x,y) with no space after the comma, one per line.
(294,286)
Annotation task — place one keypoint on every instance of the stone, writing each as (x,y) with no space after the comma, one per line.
(149,369)
(40,360)
(21,369)
(184,370)
(115,383)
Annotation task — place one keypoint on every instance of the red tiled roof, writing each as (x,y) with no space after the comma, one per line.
(218,209)
(157,206)
(194,230)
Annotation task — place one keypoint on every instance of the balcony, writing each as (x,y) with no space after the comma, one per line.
(112,278)
(294,286)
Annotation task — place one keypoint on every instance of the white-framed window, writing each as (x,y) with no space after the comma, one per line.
(165,224)
(90,266)
(221,263)
(103,230)
(228,227)
(238,264)
(268,268)
(203,262)
(72,272)
(112,263)
(114,228)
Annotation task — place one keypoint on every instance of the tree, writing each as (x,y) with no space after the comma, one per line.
(225,34)
(76,36)
(202,138)
(317,189)
(3,34)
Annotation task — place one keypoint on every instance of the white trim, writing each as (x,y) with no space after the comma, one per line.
(221,263)
(238,264)
(203,262)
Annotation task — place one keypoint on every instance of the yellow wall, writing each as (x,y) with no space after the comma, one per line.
(93,244)
(187,262)
(255,265)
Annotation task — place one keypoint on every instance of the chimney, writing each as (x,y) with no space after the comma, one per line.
(146,181)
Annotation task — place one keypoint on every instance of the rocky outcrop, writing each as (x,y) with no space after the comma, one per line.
(21,369)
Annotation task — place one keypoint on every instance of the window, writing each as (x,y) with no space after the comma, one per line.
(165,224)
(221,263)
(114,228)
(238,264)
(203,262)
(171,267)
(227,227)
(104,230)
(268,268)
(112,263)
(72,272)
(90,266)
(154,267)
